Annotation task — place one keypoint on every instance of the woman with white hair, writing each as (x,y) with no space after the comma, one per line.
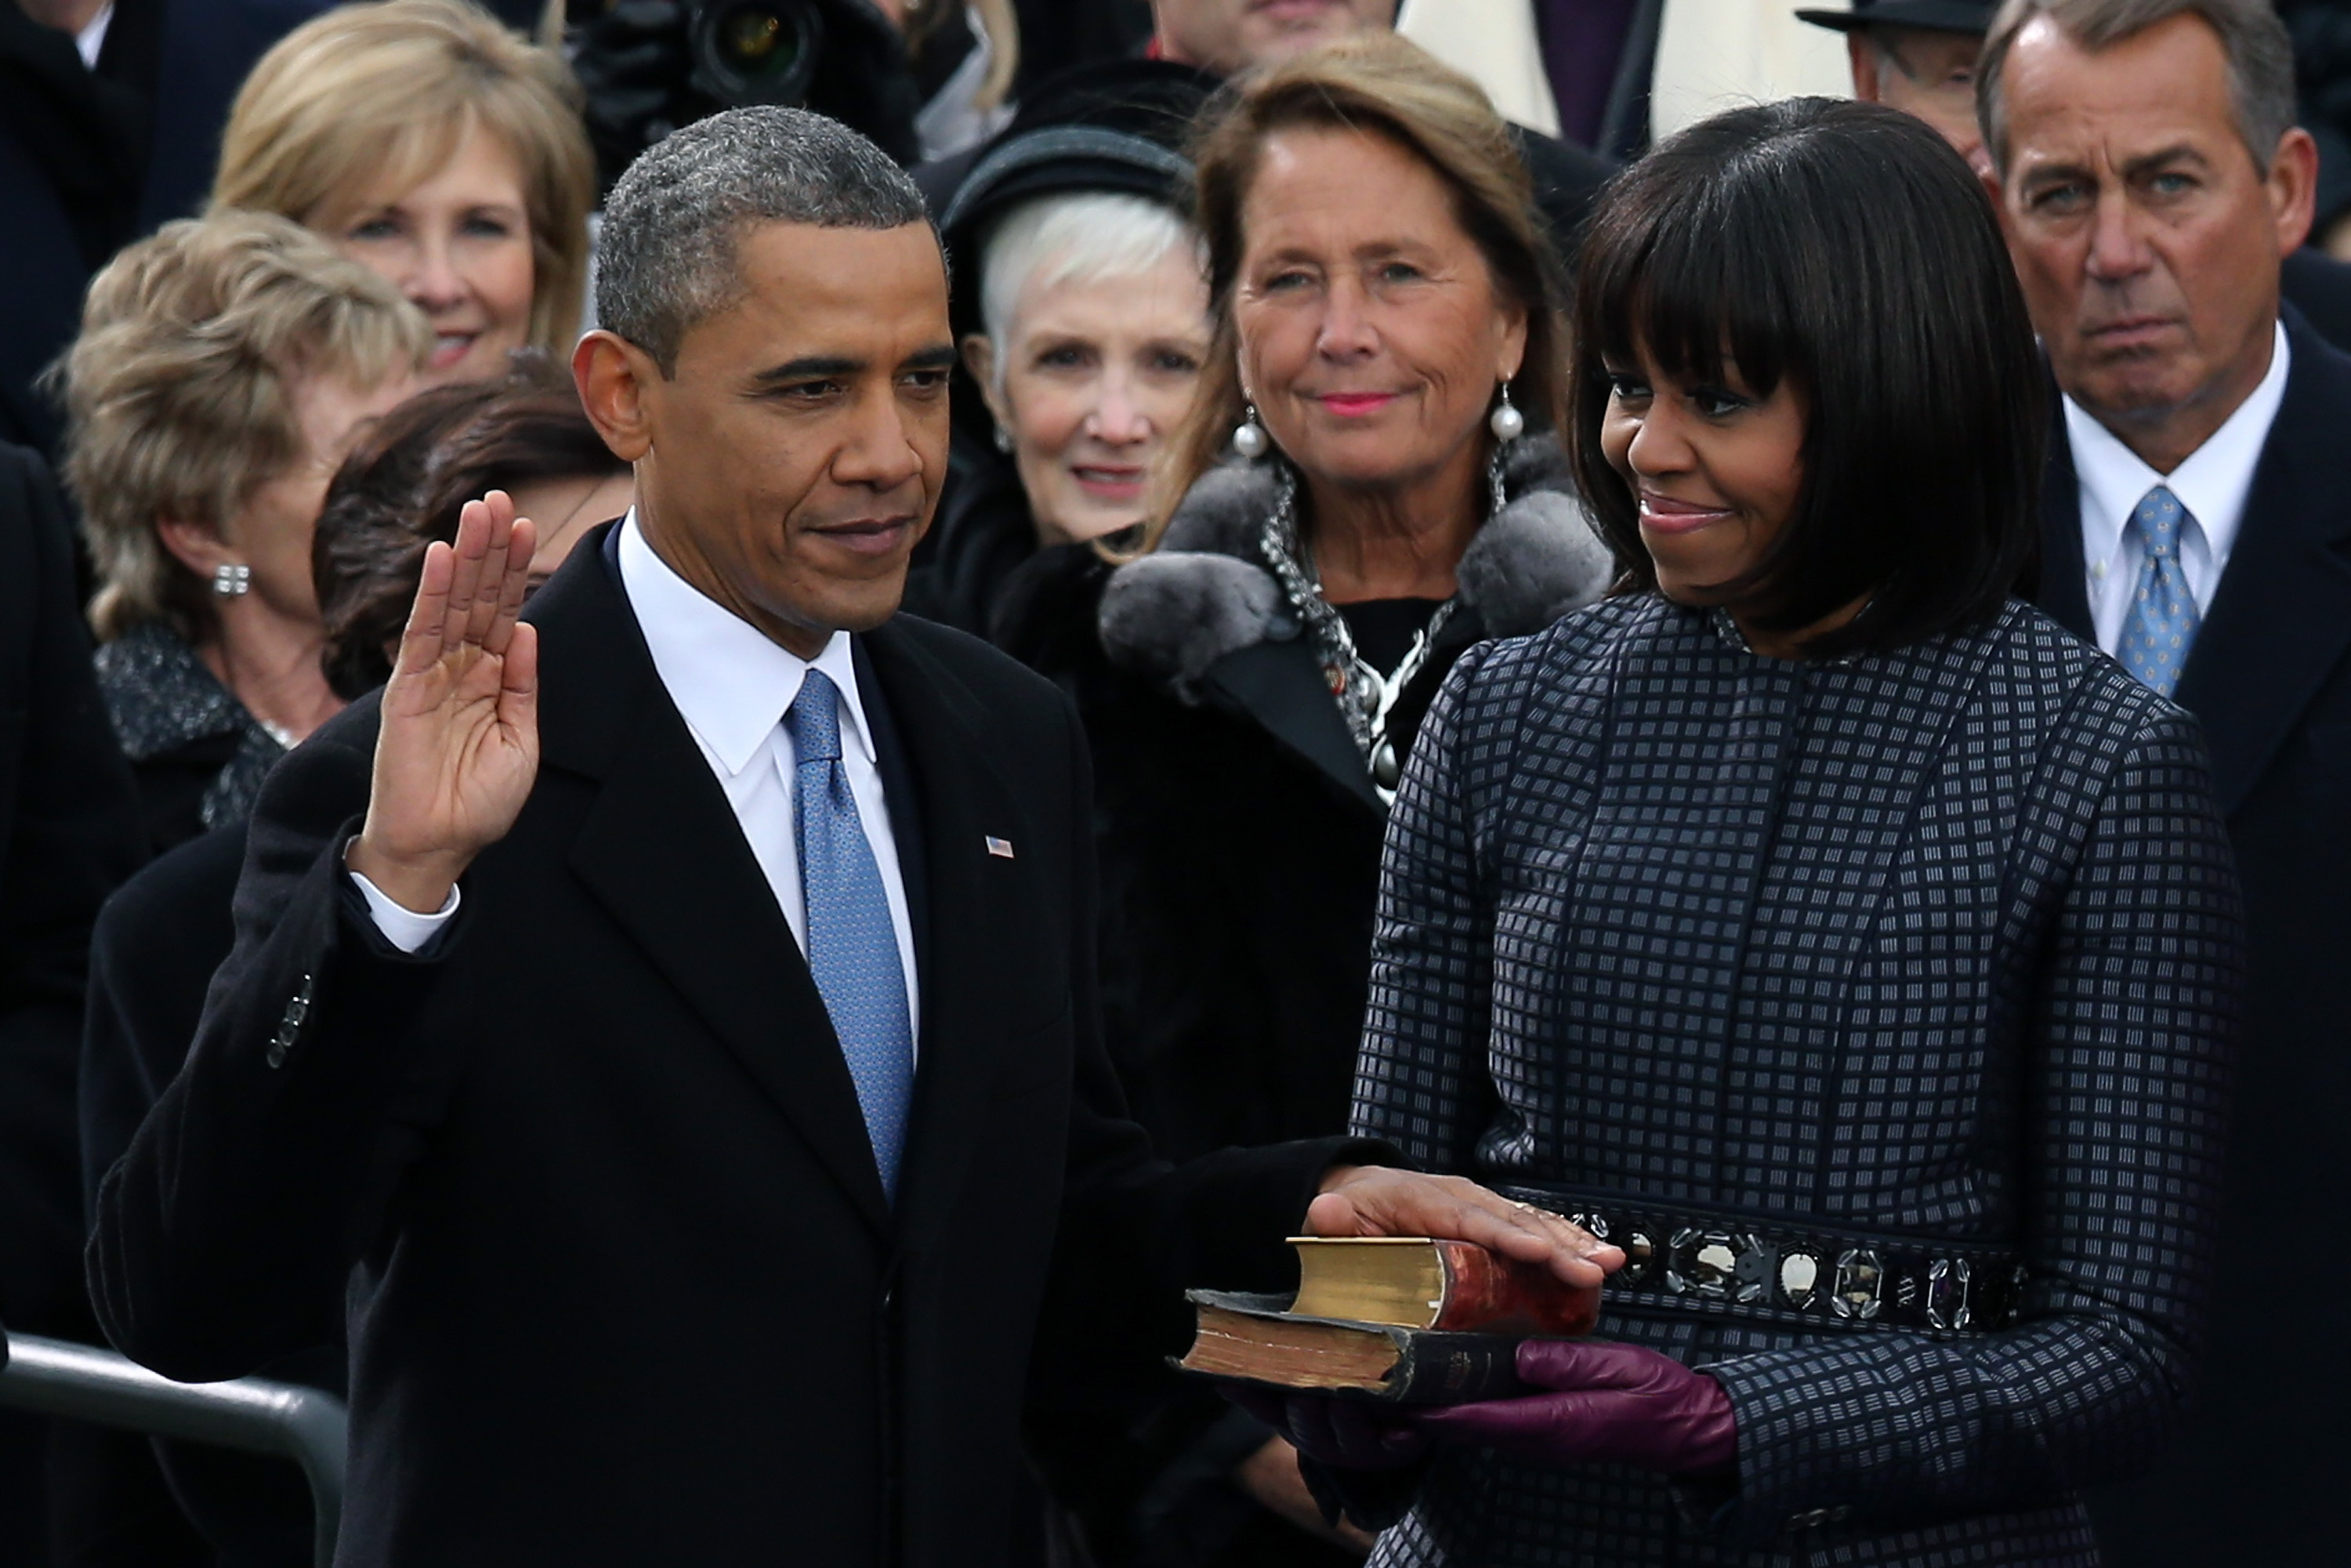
(1084,310)
(1097,323)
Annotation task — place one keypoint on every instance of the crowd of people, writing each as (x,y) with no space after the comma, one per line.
(699,792)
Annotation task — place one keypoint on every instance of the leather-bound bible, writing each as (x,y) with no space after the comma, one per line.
(1406,1320)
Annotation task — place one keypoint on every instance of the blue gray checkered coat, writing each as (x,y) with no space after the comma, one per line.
(1943,941)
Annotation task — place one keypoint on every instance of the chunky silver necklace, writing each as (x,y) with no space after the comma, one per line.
(1364,695)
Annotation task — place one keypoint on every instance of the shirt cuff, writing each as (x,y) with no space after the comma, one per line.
(403,928)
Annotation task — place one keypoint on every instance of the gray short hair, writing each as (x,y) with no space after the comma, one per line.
(1084,236)
(2252,39)
(665,253)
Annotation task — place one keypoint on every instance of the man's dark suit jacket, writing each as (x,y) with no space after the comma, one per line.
(151,958)
(623,1285)
(2256,1473)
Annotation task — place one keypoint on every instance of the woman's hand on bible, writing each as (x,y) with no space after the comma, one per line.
(1617,1403)
(1375,1201)
(459,746)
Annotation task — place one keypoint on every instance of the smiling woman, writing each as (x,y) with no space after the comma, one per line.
(440,150)
(1778,912)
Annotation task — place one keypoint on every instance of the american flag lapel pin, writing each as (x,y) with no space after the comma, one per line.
(1000,848)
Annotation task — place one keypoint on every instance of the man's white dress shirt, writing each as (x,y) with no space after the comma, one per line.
(731,685)
(2210,485)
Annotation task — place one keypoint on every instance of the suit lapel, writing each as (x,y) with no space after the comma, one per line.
(978,918)
(661,850)
(2281,619)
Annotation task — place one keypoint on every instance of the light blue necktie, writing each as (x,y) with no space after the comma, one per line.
(2161,625)
(852,948)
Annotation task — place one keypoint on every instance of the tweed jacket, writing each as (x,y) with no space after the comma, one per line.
(1940,942)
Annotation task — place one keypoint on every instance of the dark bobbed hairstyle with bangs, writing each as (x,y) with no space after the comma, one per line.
(1845,248)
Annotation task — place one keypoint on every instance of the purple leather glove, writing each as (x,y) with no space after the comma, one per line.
(1609,1402)
(1345,1434)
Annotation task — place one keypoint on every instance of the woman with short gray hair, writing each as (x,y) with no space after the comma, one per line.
(1081,311)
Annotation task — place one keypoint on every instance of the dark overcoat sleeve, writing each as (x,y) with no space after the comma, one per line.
(69,833)
(1136,1232)
(224,1234)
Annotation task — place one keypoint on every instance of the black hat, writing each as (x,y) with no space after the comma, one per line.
(1119,126)
(1931,16)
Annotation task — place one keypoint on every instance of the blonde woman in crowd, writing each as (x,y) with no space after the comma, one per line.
(443,152)
(224,368)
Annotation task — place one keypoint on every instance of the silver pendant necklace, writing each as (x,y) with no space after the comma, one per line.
(1366,698)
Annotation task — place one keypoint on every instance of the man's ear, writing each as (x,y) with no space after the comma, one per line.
(1861,54)
(979,358)
(2293,188)
(1994,192)
(617,383)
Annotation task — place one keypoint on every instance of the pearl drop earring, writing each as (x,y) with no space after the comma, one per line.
(1249,437)
(1003,439)
(1506,422)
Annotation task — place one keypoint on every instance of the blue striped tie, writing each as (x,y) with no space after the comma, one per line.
(2161,625)
(852,948)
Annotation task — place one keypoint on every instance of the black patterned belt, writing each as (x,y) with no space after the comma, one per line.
(1834,1278)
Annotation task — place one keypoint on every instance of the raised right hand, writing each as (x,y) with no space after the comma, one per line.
(458,748)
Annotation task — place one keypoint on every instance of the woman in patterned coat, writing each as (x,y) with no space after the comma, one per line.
(1855,949)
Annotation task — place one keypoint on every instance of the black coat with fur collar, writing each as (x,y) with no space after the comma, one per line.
(1239,837)
(1239,831)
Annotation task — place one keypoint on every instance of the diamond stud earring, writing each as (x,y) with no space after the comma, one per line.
(231,579)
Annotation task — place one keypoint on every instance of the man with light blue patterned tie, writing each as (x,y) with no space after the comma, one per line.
(2196,525)
(852,952)
(2161,624)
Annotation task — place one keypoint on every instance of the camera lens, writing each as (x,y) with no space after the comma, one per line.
(756,51)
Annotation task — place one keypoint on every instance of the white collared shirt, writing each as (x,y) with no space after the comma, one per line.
(732,686)
(2211,486)
(90,42)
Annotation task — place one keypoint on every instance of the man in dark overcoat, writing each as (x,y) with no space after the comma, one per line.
(671,1017)
(2196,525)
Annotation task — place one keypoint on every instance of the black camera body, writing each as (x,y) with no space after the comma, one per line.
(651,66)
(752,51)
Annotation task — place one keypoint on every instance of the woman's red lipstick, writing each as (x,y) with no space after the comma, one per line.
(1354,405)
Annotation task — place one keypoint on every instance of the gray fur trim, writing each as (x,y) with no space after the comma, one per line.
(1533,561)
(1536,463)
(1223,511)
(1172,614)
(1205,592)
